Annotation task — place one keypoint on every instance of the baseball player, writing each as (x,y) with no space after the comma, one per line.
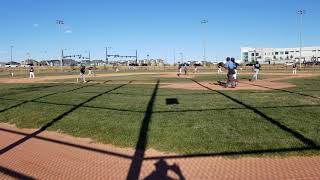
(91,72)
(294,68)
(11,72)
(179,70)
(195,69)
(235,78)
(220,68)
(31,72)
(82,73)
(256,69)
(185,68)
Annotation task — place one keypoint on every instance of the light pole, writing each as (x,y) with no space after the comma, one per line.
(204,22)
(107,59)
(89,56)
(28,54)
(181,54)
(45,56)
(301,13)
(11,48)
(61,23)
(174,57)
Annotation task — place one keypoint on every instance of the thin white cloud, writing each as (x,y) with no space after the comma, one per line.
(68,31)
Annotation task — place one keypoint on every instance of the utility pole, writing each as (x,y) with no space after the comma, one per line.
(301,13)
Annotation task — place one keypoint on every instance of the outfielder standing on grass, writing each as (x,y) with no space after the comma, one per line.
(31,72)
(82,73)
(256,69)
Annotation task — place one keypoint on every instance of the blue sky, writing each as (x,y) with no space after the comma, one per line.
(154,27)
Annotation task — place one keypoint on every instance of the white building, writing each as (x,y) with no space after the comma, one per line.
(279,55)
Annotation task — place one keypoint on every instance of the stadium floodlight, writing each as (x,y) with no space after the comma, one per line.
(181,56)
(107,59)
(174,57)
(60,23)
(204,22)
(301,13)
(11,48)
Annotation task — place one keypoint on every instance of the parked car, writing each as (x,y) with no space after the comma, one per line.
(289,63)
(11,66)
(197,64)
(133,64)
(250,64)
(25,65)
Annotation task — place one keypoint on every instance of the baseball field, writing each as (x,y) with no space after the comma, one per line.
(191,115)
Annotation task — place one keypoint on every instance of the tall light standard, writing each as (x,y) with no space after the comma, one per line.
(136,56)
(44,55)
(204,22)
(174,57)
(61,23)
(28,55)
(301,13)
(107,59)
(181,54)
(11,48)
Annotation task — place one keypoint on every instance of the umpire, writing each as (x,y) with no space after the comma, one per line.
(230,66)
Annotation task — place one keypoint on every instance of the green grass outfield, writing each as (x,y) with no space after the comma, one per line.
(204,122)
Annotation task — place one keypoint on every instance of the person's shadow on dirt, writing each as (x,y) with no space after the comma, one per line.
(162,169)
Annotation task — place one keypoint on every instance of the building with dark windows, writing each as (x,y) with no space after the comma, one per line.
(280,55)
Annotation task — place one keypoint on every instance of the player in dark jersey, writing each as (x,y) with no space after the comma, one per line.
(82,73)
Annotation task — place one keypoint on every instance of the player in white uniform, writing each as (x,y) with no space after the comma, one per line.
(31,71)
(294,69)
(256,69)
